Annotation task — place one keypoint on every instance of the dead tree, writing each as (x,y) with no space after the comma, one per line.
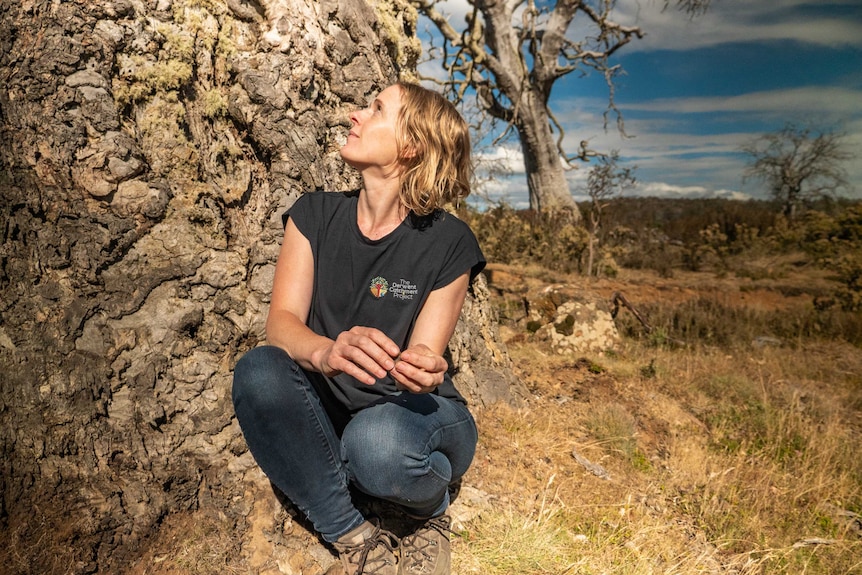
(510,53)
(798,165)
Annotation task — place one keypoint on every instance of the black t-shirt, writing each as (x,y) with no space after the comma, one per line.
(377,283)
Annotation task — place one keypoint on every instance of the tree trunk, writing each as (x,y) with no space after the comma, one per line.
(147,151)
(546,178)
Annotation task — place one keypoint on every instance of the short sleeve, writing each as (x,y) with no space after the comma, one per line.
(302,214)
(464,253)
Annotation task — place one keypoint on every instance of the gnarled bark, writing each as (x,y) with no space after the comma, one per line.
(147,151)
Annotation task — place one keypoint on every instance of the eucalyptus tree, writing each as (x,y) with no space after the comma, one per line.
(510,54)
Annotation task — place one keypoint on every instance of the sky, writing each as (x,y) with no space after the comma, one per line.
(695,90)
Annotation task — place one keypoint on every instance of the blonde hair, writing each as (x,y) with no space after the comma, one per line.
(434,142)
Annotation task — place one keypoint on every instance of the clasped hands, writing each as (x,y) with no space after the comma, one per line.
(368,354)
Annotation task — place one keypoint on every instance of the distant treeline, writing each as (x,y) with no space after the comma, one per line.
(681,220)
(750,240)
(664,235)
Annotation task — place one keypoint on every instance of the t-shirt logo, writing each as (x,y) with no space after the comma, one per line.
(379,286)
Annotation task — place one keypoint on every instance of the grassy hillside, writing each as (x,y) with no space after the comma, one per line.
(670,456)
(722,436)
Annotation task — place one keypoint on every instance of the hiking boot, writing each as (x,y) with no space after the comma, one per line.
(367,550)
(426,551)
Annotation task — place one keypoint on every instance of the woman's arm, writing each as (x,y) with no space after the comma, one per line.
(421,367)
(365,353)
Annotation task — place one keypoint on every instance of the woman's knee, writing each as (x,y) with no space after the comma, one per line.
(260,374)
(386,426)
(387,440)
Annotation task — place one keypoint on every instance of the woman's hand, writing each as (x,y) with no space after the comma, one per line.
(365,353)
(419,369)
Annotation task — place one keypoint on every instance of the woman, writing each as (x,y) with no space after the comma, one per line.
(352,390)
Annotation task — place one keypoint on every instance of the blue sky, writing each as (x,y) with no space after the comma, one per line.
(695,90)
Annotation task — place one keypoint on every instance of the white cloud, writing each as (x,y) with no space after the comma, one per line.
(817,99)
(666,136)
(731,21)
(665,190)
(513,192)
(502,158)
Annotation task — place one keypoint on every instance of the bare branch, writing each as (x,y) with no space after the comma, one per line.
(693,8)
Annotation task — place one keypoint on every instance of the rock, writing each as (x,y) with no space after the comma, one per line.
(578,323)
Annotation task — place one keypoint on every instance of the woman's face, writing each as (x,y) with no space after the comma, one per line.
(371,141)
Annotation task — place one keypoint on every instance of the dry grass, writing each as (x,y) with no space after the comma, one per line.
(718,463)
(192,544)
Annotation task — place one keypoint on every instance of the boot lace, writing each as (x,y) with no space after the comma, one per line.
(375,555)
(420,550)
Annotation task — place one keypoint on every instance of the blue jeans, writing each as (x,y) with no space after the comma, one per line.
(404,448)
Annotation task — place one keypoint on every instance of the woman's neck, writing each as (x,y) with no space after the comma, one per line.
(379,210)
